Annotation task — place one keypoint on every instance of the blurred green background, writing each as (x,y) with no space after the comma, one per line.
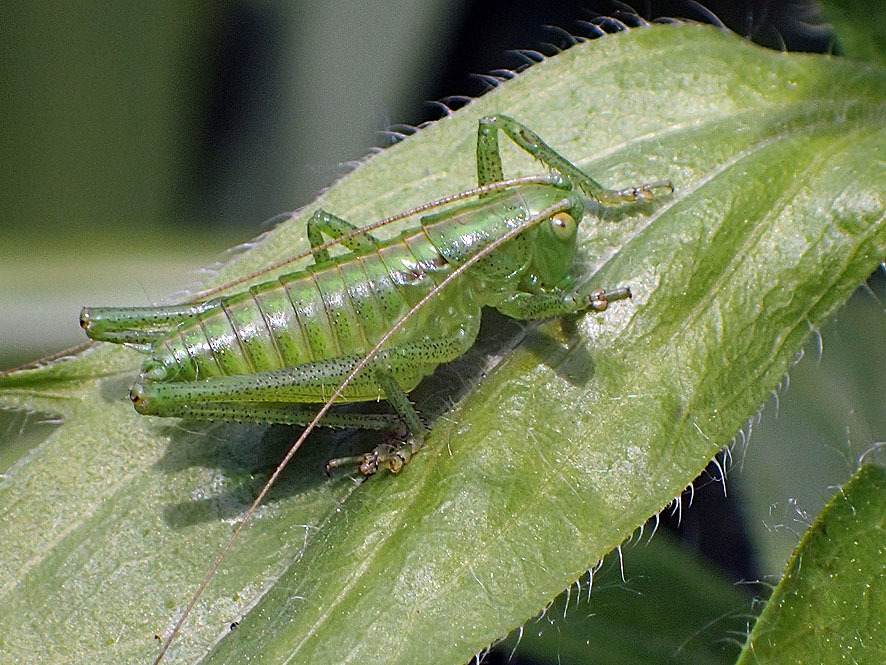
(142,140)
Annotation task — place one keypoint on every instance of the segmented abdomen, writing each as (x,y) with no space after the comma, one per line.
(333,310)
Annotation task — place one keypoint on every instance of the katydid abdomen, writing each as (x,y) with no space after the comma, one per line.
(337,309)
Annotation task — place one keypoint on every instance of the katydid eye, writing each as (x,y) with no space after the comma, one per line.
(563,225)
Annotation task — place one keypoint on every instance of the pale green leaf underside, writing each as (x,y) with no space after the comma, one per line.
(830,607)
(564,447)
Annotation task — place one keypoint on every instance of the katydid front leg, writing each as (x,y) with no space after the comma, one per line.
(489,162)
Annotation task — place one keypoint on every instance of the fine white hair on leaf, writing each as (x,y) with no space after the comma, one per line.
(503,73)
(657,518)
(815,331)
(273,221)
(722,469)
(531,55)
(544,611)
(395,137)
(519,639)
(404,129)
(490,81)
(744,441)
(774,394)
(621,564)
(620,26)
(350,165)
(597,566)
(678,508)
(782,45)
(872,449)
(625,11)
(525,60)
(459,100)
(552,48)
(727,458)
(440,105)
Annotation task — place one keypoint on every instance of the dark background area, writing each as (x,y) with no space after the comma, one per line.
(475,39)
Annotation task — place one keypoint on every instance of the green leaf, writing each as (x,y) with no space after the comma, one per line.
(830,605)
(565,437)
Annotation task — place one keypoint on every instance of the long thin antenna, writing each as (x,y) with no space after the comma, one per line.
(368,358)
(446,200)
(70,351)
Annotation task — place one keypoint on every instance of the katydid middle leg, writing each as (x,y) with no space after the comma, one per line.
(335,227)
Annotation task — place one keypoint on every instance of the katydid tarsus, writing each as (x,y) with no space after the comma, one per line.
(373,322)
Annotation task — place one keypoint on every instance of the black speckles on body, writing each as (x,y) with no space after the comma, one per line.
(337,309)
(341,308)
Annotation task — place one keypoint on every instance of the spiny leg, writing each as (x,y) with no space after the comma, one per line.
(489,162)
(296,385)
(275,396)
(267,412)
(335,227)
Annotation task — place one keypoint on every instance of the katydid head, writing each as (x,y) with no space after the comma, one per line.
(554,251)
(553,248)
